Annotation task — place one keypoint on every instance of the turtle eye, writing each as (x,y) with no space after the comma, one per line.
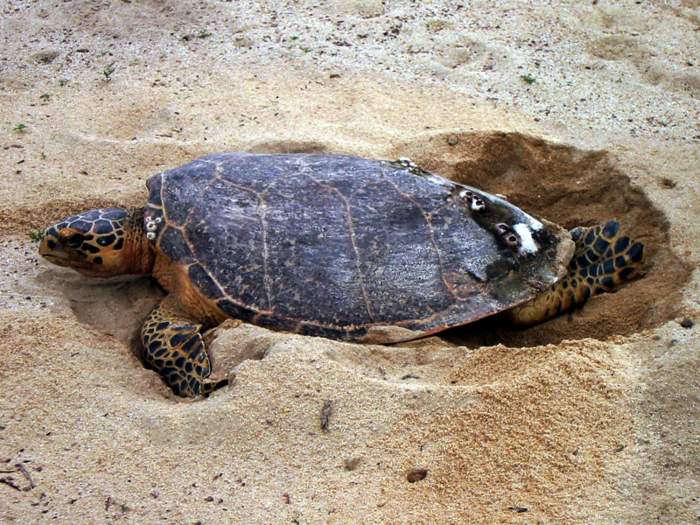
(75,240)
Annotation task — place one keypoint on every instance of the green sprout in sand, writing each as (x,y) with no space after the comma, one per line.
(35,235)
(108,71)
(528,78)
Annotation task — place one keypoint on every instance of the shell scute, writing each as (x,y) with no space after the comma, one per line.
(182,188)
(175,246)
(399,263)
(310,256)
(225,230)
(203,281)
(261,170)
(236,311)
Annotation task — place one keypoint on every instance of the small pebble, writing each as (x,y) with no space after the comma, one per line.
(352,464)
(687,323)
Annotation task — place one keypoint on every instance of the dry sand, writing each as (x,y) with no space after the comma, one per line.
(591,418)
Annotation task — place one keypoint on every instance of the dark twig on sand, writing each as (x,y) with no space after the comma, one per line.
(11,483)
(26,474)
(326,415)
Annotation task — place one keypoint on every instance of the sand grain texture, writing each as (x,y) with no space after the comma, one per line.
(577,112)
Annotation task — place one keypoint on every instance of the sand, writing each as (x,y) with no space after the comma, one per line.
(577,112)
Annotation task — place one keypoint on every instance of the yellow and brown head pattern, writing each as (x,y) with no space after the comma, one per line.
(97,243)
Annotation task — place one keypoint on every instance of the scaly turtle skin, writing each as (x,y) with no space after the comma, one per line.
(332,246)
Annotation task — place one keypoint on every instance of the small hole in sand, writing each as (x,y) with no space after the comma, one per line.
(668,183)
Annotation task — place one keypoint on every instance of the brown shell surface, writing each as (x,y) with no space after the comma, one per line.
(340,247)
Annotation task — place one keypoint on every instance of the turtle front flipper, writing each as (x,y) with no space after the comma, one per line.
(173,347)
(603,259)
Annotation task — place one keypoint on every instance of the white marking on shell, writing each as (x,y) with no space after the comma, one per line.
(477,204)
(151,226)
(151,236)
(535,224)
(158,220)
(527,243)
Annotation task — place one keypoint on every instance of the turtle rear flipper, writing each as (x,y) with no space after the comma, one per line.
(173,347)
(604,258)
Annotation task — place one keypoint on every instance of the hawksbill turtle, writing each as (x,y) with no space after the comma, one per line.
(332,246)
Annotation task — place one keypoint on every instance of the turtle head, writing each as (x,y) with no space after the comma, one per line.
(99,243)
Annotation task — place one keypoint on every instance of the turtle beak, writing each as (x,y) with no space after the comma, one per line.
(49,247)
(51,250)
